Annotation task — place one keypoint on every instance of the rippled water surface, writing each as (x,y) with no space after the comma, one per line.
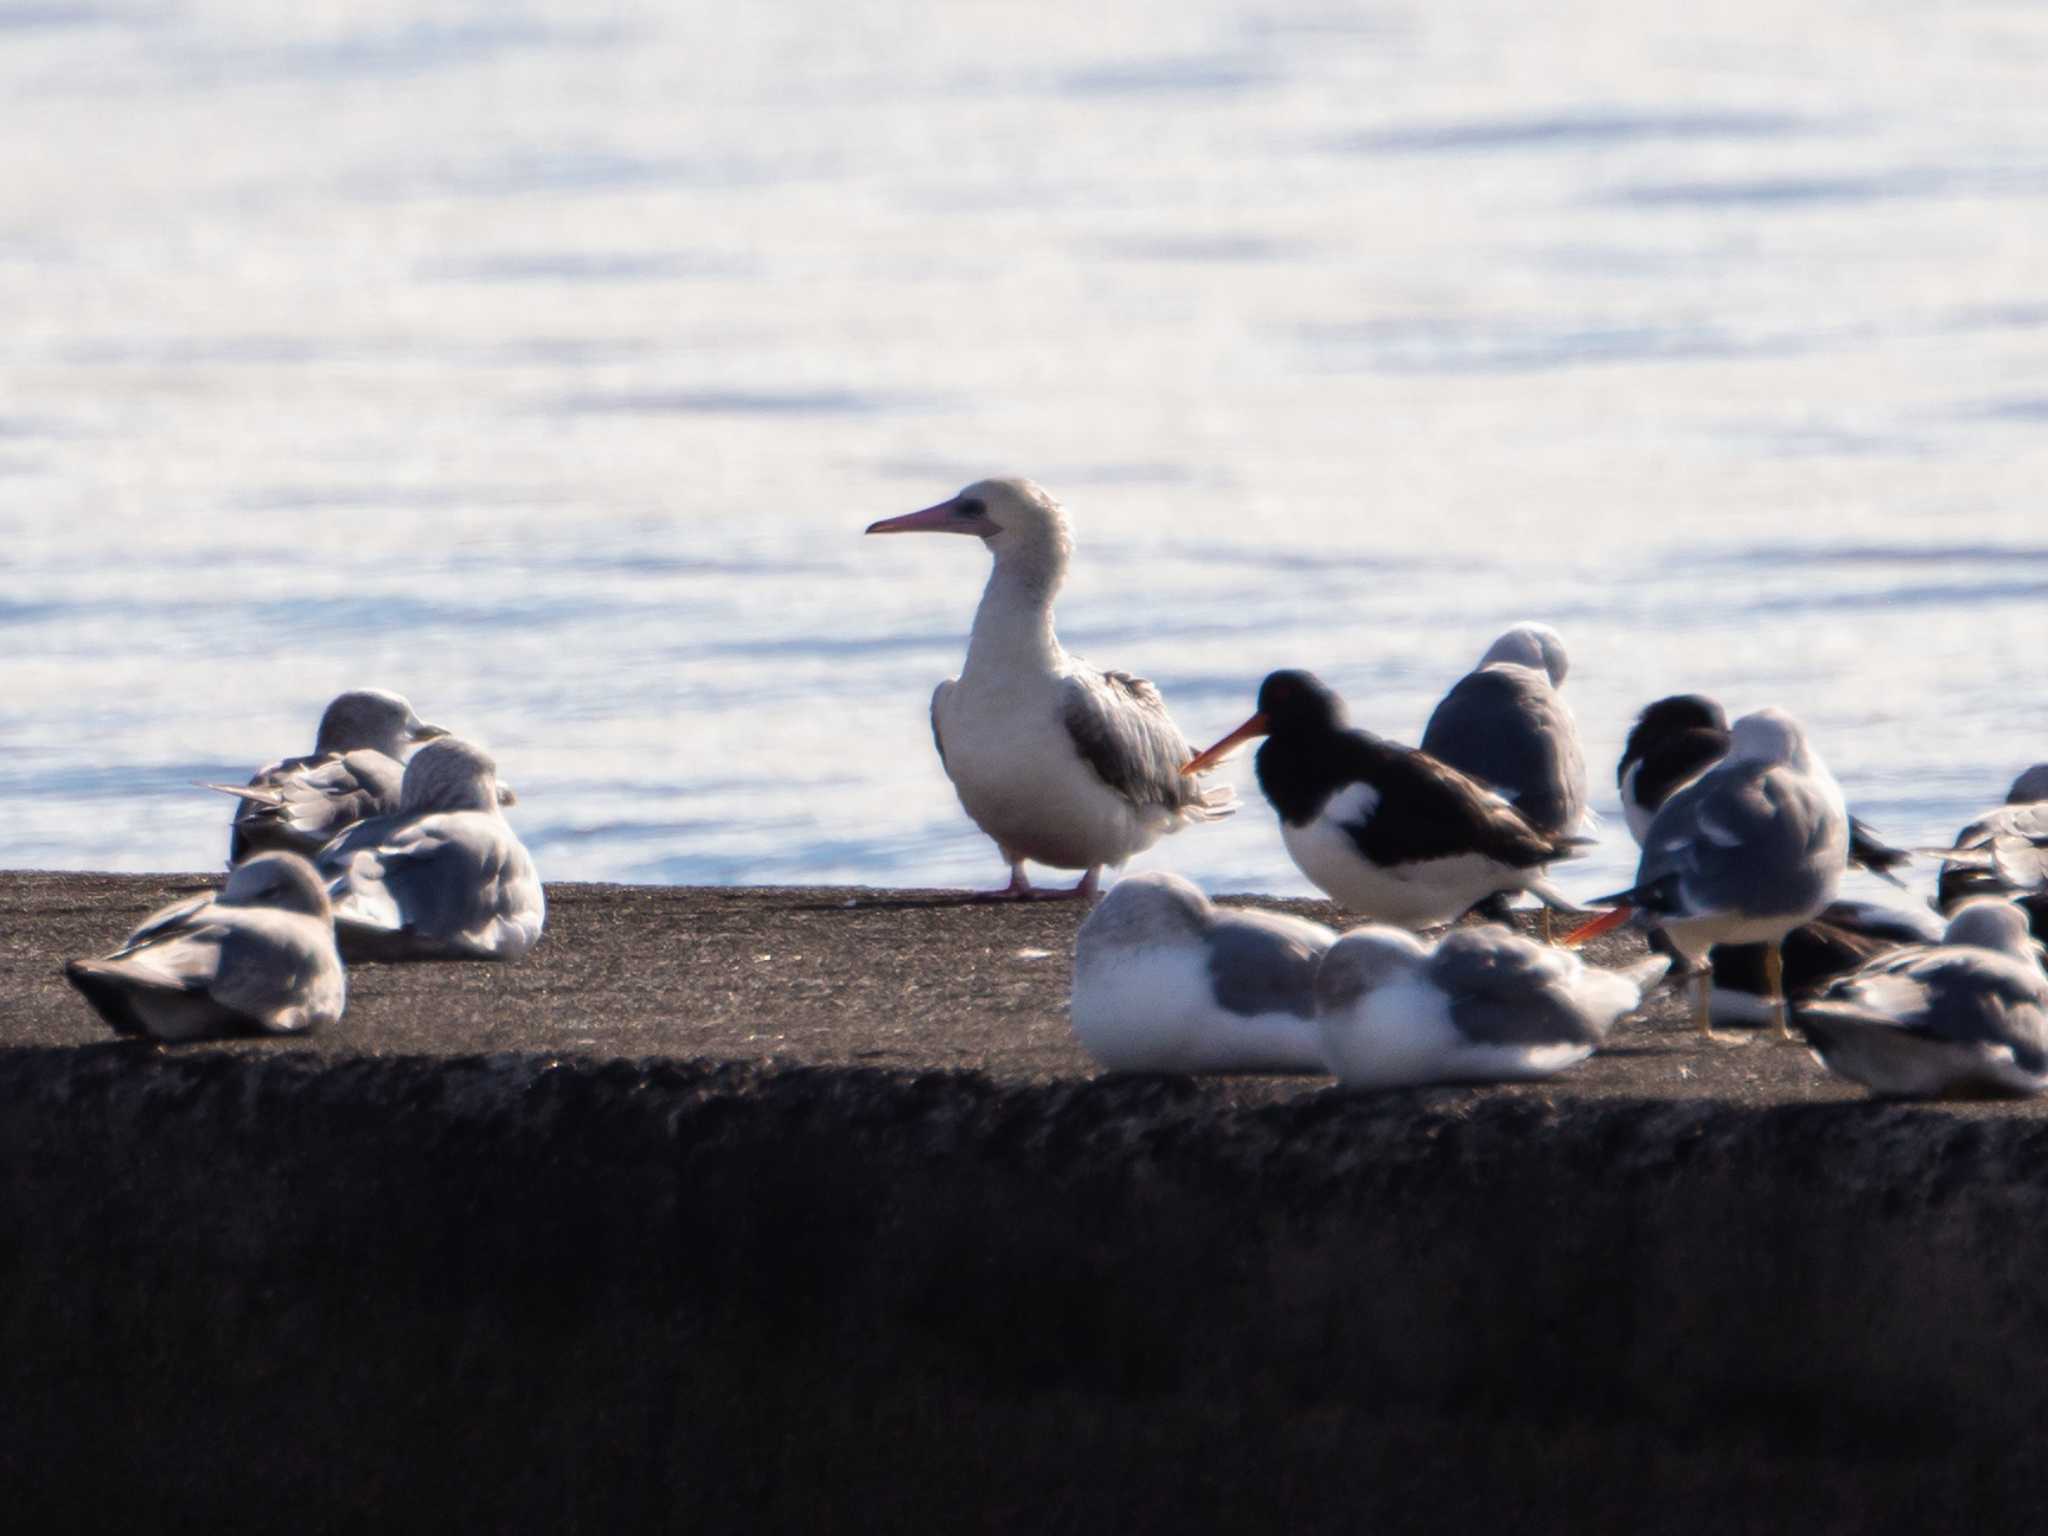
(544,361)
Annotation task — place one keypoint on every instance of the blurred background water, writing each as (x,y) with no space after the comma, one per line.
(545,360)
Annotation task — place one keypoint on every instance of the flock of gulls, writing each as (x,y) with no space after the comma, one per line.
(388,842)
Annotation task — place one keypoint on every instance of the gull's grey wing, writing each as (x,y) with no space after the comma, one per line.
(1753,837)
(1507,728)
(1507,990)
(1257,967)
(312,800)
(1118,723)
(278,970)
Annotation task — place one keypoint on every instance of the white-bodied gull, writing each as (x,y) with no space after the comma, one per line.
(352,773)
(1166,981)
(258,957)
(1058,761)
(1389,832)
(1745,853)
(1482,1005)
(1965,1017)
(445,877)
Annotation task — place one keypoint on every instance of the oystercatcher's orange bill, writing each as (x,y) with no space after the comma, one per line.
(1202,762)
(1599,925)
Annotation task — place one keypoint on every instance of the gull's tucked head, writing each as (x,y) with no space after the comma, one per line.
(1768,736)
(1154,907)
(1363,961)
(282,880)
(1535,646)
(1992,922)
(449,774)
(374,720)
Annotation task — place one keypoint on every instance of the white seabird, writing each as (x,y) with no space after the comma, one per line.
(1166,981)
(353,772)
(445,877)
(1058,761)
(1967,1016)
(1483,1005)
(258,957)
(1745,853)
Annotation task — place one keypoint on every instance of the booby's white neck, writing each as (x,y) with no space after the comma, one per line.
(1013,625)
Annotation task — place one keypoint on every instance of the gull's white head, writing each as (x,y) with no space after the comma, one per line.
(1154,907)
(282,880)
(1535,646)
(1769,736)
(2029,787)
(1364,960)
(1023,527)
(449,774)
(1992,922)
(373,720)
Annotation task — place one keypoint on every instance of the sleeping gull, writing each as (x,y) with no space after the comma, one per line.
(1967,1016)
(256,958)
(1056,760)
(1386,830)
(1675,740)
(1743,854)
(444,877)
(352,773)
(1482,1005)
(1506,724)
(1165,981)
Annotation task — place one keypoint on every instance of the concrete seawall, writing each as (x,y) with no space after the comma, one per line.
(333,1288)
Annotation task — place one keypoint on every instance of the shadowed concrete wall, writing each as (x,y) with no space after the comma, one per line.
(504,1292)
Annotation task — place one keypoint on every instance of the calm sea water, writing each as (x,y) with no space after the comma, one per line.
(545,361)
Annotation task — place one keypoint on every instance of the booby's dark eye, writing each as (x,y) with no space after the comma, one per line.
(971,506)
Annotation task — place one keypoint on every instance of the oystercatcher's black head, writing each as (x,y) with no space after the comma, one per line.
(1295,701)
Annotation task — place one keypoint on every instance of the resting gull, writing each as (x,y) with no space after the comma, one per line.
(444,877)
(258,957)
(1058,761)
(1506,724)
(1165,981)
(1965,1017)
(1482,1005)
(1387,831)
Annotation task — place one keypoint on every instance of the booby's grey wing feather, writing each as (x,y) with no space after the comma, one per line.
(1118,723)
